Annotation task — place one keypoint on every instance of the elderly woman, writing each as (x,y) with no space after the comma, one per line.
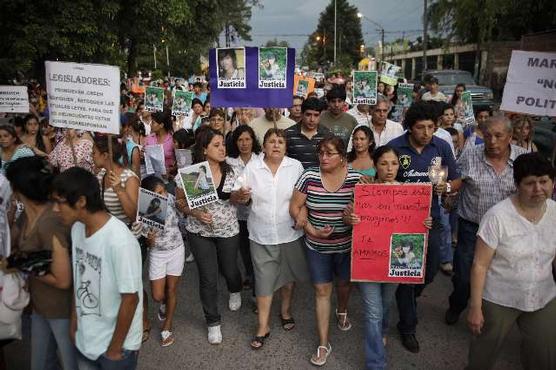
(512,279)
(325,192)
(276,248)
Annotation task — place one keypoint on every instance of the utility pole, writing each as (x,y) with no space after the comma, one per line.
(425,38)
(382,44)
(335,23)
(154,55)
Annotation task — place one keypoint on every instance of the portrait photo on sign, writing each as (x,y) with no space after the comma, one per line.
(154,99)
(364,87)
(198,185)
(272,67)
(181,104)
(230,67)
(152,209)
(406,255)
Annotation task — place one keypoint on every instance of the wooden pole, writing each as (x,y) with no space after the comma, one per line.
(110,153)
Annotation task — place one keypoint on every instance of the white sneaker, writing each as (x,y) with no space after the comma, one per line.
(235,301)
(214,334)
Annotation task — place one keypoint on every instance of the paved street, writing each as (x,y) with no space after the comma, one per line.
(442,347)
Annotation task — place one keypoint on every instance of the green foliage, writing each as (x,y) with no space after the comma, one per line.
(319,49)
(418,241)
(275,42)
(491,20)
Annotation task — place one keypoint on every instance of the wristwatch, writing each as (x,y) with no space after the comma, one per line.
(448,188)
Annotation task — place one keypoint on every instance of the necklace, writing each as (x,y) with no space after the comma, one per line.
(533,219)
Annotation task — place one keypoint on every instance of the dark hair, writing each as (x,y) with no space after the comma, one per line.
(222,53)
(336,93)
(207,101)
(32,177)
(446,106)
(452,131)
(298,97)
(433,80)
(218,112)
(150,182)
(119,151)
(275,131)
(381,150)
(455,96)
(483,109)
(164,119)
(532,164)
(77,182)
(184,138)
(11,130)
(336,141)
(196,101)
(369,134)
(198,84)
(138,126)
(202,141)
(419,111)
(233,149)
(312,104)
(38,136)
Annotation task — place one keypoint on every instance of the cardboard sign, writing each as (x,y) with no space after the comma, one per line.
(405,94)
(198,185)
(154,160)
(14,99)
(467,103)
(152,210)
(181,104)
(388,73)
(251,77)
(302,86)
(84,96)
(154,99)
(390,242)
(531,84)
(364,87)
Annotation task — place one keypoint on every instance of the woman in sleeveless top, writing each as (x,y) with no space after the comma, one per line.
(360,156)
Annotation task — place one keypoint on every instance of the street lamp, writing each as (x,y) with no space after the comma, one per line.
(380,28)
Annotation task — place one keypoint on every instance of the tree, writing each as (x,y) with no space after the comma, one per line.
(275,42)
(320,46)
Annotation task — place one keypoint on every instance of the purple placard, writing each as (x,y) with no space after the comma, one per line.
(241,86)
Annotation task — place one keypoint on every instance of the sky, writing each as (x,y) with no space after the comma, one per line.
(294,20)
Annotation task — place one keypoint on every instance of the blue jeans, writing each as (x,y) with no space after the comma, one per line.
(446,254)
(128,362)
(406,294)
(377,299)
(324,266)
(47,336)
(463,260)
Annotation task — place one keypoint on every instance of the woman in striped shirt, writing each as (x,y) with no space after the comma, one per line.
(322,193)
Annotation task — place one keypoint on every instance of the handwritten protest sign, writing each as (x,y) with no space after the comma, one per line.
(14,99)
(251,77)
(154,160)
(364,87)
(181,104)
(84,96)
(531,84)
(198,185)
(302,86)
(390,242)
(152,210)
(388,73)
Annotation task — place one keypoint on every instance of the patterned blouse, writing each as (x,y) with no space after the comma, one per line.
(63,158)
(224,214)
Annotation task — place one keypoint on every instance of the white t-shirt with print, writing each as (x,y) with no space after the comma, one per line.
(520,274)
(105,265)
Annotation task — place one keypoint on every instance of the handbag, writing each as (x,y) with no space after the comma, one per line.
(13,299)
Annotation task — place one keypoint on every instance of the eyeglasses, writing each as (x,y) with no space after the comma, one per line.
(327,154)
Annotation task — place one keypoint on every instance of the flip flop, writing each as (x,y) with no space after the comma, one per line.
(258,341)
(146,335)
(287,324)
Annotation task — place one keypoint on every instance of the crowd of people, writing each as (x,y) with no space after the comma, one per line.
(285,181)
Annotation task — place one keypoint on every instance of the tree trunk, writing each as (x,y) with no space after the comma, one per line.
(132,58)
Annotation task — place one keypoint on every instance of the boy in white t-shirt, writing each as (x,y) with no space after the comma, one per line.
(106,323)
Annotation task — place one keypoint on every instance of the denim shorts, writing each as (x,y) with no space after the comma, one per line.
(324,266)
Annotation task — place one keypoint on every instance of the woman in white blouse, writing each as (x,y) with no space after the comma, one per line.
(276,246)
(512,279)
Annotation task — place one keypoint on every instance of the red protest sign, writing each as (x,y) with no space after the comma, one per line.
(390,242)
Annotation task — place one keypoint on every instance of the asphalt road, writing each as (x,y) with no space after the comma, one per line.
(442,347)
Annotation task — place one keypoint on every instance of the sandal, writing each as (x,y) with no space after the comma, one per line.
(166,338)
(287,324)
(146,335)
(343,322)
(318,359)
(258,341)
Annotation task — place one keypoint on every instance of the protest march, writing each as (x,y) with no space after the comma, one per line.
(151,220)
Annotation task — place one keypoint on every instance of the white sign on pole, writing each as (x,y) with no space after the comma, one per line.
(531,84)
(84,96)
(14,99)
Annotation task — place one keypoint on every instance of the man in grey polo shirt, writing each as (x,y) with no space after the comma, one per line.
(487,174)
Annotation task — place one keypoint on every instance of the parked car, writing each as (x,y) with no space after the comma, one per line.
(448,79)
(545,137)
